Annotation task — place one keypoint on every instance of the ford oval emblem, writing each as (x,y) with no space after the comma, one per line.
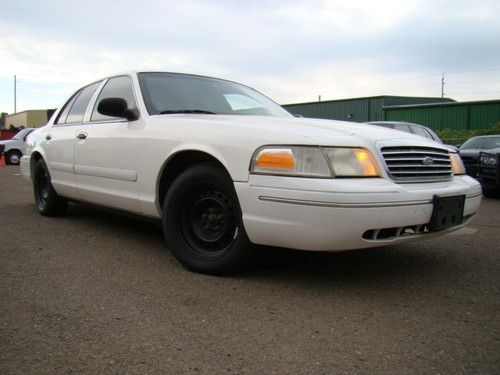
(428,160)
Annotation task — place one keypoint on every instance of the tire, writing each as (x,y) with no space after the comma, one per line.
(491,193)
(13,157)
(48,202)
(202,222)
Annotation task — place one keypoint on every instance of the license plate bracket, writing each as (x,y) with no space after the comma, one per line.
(447,212)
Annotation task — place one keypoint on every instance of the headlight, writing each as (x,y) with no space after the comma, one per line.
(307,161)
(457,166)
(488,160)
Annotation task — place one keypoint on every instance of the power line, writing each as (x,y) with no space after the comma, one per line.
(472,71)
(472,82)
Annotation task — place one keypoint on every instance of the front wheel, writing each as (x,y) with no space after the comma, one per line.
(48,202)
(202,222)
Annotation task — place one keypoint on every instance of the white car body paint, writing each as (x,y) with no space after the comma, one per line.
(119,165)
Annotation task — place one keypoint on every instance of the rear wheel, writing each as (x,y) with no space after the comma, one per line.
(48,202)
(202,222)
(13,157)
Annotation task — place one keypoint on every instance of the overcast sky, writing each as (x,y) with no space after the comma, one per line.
(292,51)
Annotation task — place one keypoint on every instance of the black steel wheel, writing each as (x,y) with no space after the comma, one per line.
(202,222)
(48,202)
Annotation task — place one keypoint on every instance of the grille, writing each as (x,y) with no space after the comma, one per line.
(414,163)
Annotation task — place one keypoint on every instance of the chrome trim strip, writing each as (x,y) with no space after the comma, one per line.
(304,202)
(113,173)
(344,205)
(474,196)
(61,167)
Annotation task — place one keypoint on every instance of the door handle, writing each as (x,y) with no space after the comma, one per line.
(82,136)
(48,137)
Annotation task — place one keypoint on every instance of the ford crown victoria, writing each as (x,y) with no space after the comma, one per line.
(225,168)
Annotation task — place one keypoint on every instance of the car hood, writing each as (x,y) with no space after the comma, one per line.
(291,130)
(4,142)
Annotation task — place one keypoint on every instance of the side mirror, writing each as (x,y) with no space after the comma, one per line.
(117,107)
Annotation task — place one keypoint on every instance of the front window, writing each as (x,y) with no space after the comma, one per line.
(181,93)
(117,87)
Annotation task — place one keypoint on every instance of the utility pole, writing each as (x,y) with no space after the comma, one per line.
(319,98)
(442,86)
(15,94)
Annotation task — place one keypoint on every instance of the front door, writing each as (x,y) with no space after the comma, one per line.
(105,162)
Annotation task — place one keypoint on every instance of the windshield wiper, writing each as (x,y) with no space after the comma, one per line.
(187,111)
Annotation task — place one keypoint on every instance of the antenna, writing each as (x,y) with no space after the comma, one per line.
(442,86)
(15,94)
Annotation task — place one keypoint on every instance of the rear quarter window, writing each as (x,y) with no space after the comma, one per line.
(77,111)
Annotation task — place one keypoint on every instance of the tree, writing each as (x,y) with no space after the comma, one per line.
(2,118)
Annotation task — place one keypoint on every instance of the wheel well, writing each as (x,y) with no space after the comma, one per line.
(177,164)
(34,158)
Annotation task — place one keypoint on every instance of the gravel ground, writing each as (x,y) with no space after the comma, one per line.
(95,292)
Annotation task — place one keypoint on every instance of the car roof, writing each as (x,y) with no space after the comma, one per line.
(137,72)
(485,136)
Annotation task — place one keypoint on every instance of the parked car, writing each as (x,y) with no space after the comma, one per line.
(15,147)
(408,127)
(469,151)
(489,170)
(224,167)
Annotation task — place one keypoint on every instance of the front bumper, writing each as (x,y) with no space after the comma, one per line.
(336,214)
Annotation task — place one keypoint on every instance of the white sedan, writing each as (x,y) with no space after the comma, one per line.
(224,167)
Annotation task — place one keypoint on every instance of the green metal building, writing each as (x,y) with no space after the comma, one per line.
(439,116)
(357,109)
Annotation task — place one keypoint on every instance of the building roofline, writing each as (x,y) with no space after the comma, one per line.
(372,97)
(491,101)
(28,110)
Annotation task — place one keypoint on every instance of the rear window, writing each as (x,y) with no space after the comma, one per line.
(422,132)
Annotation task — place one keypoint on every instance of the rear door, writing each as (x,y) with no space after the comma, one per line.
(105,153)
(60,139)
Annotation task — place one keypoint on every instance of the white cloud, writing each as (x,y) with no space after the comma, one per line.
(291,50)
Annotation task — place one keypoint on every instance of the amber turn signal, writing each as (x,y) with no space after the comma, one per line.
(276,158)
(367,162)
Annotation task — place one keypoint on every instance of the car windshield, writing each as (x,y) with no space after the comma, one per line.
(482,143)
(168,93)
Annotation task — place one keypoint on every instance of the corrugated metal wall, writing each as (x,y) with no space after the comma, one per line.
(459,116)
(347,110)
